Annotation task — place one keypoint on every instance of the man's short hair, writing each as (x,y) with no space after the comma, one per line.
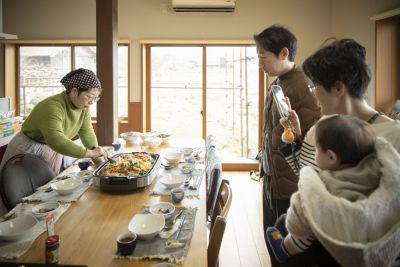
(275,38)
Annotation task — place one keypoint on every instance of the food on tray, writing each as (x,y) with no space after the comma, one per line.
(129,165)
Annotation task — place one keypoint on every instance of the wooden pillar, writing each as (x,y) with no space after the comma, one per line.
(107,55)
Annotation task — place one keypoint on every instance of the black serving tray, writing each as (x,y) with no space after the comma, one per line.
(125,183)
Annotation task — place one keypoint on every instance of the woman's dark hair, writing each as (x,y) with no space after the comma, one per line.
(342,60)
(275,38)
(349,137)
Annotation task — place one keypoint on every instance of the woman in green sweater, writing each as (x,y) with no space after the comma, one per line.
(54,122)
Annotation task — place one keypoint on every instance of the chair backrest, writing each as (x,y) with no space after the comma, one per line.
(218,222)
(223,202)
(20,176)
(216,235)
(213,178)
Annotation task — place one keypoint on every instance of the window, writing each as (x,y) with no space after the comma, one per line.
(197,90)
(42,68)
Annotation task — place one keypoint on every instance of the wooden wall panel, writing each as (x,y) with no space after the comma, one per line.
(387,86)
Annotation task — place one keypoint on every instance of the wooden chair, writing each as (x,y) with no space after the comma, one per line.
(216,236)
(218,224)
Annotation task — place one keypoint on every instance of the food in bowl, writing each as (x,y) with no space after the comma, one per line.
(163,208)
(17,228)
(130,164)
(172,180)
(173,156)
(187,167)
(43,209)
(146,226)
(67,186)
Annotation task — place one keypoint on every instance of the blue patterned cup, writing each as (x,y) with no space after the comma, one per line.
(177,194)
(116,146)
(126,243)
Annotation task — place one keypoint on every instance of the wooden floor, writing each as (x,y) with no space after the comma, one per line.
(243,243)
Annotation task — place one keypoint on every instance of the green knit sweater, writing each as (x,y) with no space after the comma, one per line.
(55,121)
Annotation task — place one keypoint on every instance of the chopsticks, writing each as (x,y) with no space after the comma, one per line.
(180,227)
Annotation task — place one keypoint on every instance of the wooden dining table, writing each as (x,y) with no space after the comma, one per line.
(89,228)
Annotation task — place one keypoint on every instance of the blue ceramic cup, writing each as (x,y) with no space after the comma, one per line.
(126,243)
(177,194)
(84,164)
(116,146)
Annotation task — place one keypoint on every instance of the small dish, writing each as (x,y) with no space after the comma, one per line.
(43,209)
(65,187)
(172,156)
(187,151)
(130,137)
(163,208)
(146,226)
(172,180)
(17,228)
(187,167)
(154,142)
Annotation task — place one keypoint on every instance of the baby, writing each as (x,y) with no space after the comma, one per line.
(330,205)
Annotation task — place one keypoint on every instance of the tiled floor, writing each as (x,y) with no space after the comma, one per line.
(243,243)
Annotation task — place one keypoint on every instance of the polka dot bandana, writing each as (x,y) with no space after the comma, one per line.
(81,79)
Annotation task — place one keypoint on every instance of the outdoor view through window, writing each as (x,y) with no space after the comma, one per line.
(42,67)
(232,80)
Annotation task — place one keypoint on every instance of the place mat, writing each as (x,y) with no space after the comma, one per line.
(42,195)
(157,247)
(15,249)
(160,189)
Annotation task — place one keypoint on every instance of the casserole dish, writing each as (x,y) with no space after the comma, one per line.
(131,171)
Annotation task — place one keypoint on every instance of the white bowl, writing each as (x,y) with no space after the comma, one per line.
(187,151)
(187,167)
(67,186)
(130,137)
(43,209)
(172,180)
(163,208)
(154,142)
(173,156)
(165,136)
(18,227)
(146,226)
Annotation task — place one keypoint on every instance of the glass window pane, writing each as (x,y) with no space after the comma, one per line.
(232,89)
(41,69)
(85,57)
(176,90)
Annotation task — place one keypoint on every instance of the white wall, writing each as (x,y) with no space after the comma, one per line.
(312,21)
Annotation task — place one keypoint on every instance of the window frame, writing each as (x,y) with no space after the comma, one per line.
(12,68)
(146,49)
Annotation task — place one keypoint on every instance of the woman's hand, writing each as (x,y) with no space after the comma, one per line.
(292,121)
(96,152)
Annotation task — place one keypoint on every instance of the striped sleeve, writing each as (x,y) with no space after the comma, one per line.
(299,244)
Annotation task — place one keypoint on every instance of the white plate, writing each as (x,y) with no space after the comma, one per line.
(163,208)
(17,228)
(67,186)
(84,174)
(43,209)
